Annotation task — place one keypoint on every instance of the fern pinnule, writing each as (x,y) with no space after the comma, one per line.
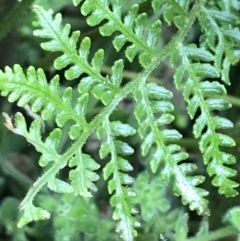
(32,213)
(101,91)
(83,176)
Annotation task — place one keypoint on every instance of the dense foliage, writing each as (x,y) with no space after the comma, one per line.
(109,139)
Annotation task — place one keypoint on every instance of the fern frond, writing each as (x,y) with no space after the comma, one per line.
(135,28)
(50,28)
(32,88)
(33,136)
(173,11)
(83,176)
(49,154)
(47,148)
(222,35)
(101,91)
(200,93)
(32,213)
(152,112)
(154,104)
(117,168)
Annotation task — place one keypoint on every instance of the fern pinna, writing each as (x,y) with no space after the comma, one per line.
(198,69)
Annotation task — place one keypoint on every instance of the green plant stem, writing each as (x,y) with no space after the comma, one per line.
(232,99)
(9,170)
(13,17)
(130,74)
(194,143)
(215,235)
(98,120)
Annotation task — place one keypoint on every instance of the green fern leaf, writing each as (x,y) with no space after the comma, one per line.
(198,54)
(134,29)
(83,176)
(32,88)
(48,26)
(221,35)
(203,98)
(175,13)
(182,227)
(59,186)
(223,16)
(196,66)
(49,154)
(102,88)
(155,102)
(234,34)
(232,216)
(80,109)
(32,213)
(33,136)
(117,167)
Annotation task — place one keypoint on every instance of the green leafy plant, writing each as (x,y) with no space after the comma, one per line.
(201,72)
